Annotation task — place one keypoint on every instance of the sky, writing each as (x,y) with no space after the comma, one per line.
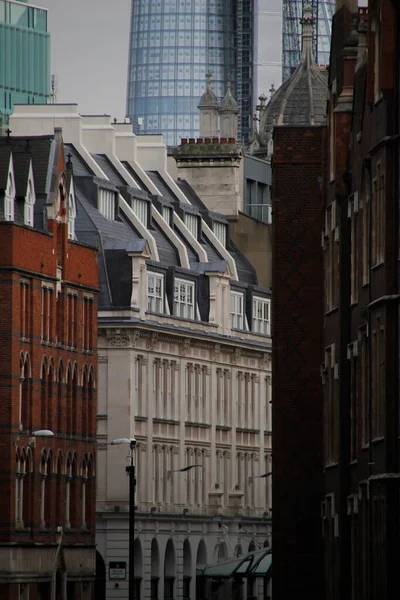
(89,51)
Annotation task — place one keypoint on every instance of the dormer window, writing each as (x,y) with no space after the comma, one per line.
(262,315)
(155,293)
(141,209)
(106,203)
(167,214)
(9,198)
(219,230)
(29,205)
(192,223)
(184,303)
(237,310)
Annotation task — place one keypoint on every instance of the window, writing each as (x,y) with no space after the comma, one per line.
(140,208)
(155,293)
(47,305)
(167,214)
(352,355)
(261,315)
(192,223)
(236,310)
(71,217)
(72,320)
(25,309)
(9,199)
(220,232)
(378,380)
(378,218)
(87,318)
(331,414)
(354,240)
(331,257)
(29,204)
(106,203)
(184,299)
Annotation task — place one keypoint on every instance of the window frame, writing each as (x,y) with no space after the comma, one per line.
(192,306)
(264,324)
(234,314)
(154,297)
(220,230)
(107,209)
(140,208)
(192,224)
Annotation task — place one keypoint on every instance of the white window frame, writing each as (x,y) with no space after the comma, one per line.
(220,231)
(166,214)
(29,204)
(183,308)
(261,315)
(9,198)
(155,301)
(140,208)
(237,309)
(106,203)
(71,215)
(192,223)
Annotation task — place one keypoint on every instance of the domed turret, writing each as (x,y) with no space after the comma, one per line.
(301,99)
(229,114)
(208,106)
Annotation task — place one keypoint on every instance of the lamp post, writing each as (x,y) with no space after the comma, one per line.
(132,484)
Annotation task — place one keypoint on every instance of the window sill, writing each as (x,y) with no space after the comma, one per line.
(46,342)
(223,428)
(246,430)
(195,424)
(88,352)
(24,338)
(140,418)
(378,439)
(331,310)
(167,421)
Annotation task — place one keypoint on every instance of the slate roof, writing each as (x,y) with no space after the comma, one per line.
(40,149)
(5,152)
(301,99)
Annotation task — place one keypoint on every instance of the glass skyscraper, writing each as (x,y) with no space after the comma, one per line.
(172,45)
(24,56)
(291,32)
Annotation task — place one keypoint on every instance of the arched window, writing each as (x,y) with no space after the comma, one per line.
(19,474)
(91,405)
(60,398)
(72,500)
(30,200)
(9,198)
(27,495)
(84,404)
(25,404)
(75,406)
(50,397)
(83,491)
(45,490)
(60,497)
(43,395)
(71,214)
(69,400)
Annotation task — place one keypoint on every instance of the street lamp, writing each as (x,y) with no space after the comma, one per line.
(132,484)
(259,477)
(188,468)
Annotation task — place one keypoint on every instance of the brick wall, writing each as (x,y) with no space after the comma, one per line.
(297,407)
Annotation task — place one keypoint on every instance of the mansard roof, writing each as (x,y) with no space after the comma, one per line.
(116,237)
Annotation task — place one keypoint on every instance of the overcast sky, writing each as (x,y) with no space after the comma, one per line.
(89,51)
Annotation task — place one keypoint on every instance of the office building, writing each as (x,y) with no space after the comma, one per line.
(172,45)
(184,357)
(48,373)
(24,56)
(322,13)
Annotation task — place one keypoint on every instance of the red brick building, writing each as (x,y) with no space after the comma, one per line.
(360,366)
(48,368)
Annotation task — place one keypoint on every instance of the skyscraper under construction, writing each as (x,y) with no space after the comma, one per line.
(172,45)
(322,11)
